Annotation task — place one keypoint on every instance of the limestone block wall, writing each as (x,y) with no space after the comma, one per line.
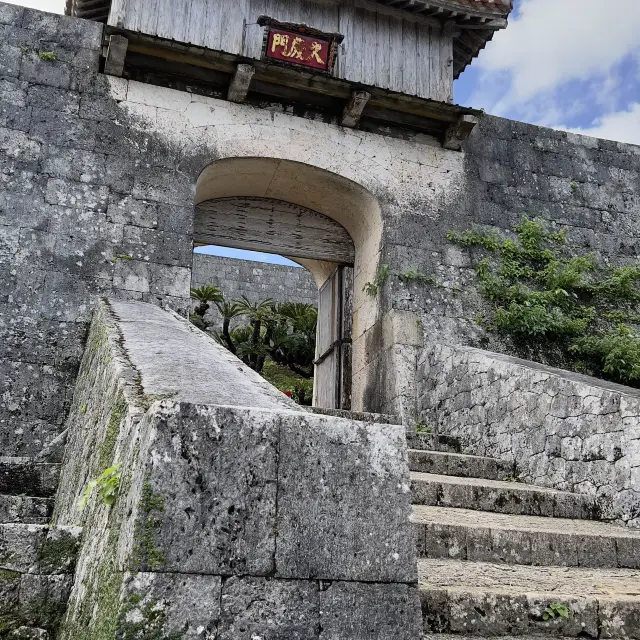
(239,515)
(563,430)
(586,186)
(97,186)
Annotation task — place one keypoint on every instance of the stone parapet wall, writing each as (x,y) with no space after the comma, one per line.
(562,430)
(239,515)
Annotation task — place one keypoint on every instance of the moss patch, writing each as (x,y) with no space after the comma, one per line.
(107,448)
(58,553)
(145,553)
(147,622)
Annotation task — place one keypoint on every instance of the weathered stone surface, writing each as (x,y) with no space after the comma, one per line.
(23,476)
(270,609)
(351,470)
(169,604)
(215,471)
(32,601)
(38,549)
(560,430)
(483,599)
(25,509)
(215,492)
(369,611)
(186,364)
(464,466)
(501,497)
(493,537)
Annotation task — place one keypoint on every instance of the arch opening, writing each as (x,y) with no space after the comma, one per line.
(326,223)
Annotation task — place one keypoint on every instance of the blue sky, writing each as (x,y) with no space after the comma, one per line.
(567,64)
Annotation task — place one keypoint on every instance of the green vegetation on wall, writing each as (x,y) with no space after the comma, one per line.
(557,304)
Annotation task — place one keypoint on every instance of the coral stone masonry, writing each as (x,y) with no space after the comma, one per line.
(154,487)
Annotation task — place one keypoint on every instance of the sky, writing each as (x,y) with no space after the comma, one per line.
(566,64)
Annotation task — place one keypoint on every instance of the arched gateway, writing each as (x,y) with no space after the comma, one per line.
(325,222)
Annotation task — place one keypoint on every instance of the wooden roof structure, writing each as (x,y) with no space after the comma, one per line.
(475,21)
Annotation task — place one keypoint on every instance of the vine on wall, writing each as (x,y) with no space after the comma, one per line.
(556,304)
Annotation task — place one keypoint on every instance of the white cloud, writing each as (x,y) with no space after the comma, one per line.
(552,42)
(623,126)
(52,6)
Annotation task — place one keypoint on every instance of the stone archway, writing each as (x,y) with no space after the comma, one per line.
(321,220)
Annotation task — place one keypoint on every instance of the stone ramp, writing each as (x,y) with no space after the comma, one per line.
(173,359)
(249,519)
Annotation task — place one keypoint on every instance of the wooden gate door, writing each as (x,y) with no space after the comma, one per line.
(332,388)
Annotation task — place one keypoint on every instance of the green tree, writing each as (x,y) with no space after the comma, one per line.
(261,317)
(204,295)
(228,311)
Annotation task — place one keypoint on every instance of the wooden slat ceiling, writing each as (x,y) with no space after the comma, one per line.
(476,20)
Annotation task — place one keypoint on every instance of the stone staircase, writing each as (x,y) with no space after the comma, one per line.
(36,560)
(501,558)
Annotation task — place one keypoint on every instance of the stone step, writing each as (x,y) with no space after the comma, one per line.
(499,497)
(25,509)
(433,442)
(24,476)
(453,636)
(457,464)
(38,549)
(360,416)
(463,534)
(488,599)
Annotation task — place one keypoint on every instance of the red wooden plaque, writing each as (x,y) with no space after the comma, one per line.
(295,48)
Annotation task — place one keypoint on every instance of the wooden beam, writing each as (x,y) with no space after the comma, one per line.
(239,86)
(458,132)
(116,54)
(295,79)
(354,108)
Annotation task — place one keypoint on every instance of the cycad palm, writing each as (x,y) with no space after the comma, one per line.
(204,295)
(228,311)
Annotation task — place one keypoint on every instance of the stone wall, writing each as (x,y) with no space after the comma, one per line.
(586,186)
(562,430)
(97,184)
(219,529)
(256,280)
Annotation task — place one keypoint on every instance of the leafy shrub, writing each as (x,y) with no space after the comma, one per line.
(107,484)
(557,305)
